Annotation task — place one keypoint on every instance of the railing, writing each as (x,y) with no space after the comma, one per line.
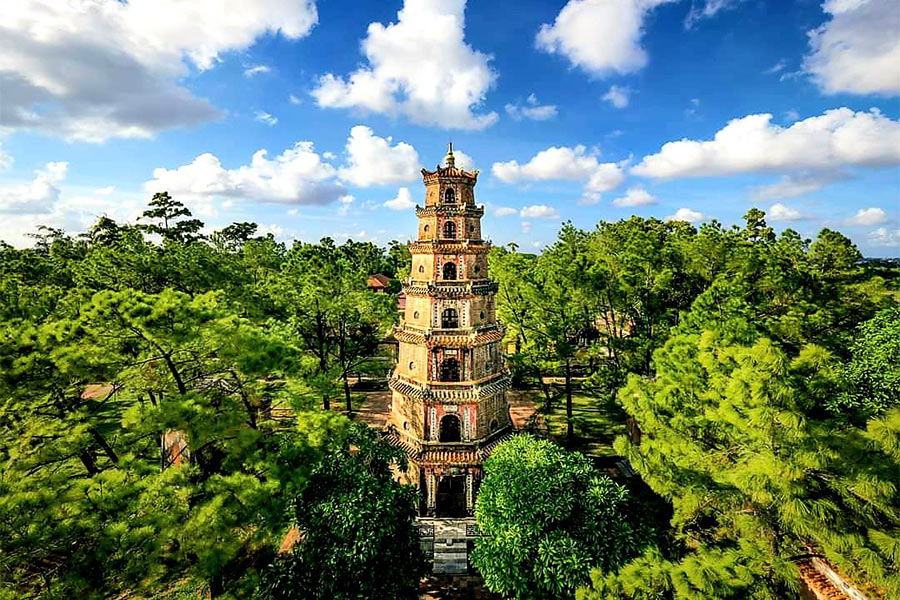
(432,331)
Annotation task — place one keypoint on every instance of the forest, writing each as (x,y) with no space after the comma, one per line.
(758,374)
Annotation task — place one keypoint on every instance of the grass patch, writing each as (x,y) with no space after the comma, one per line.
(597,422)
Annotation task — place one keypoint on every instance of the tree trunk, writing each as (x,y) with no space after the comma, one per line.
(216,586)
(347,394)
(107,449)
(326,403)
(570,429)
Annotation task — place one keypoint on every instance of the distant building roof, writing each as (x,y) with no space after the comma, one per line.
(378,281)
(290,540)
(93,391)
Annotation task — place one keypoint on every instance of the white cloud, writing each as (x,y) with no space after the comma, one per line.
(372,160)
(504,211)
(95,69)
(868,216)
(105,191)
(6,161)
(532,109)
(617,96)
(526,227)
(796,184)
(403,200)
(606,177)
(858,49)
(707,9)
(564,163)
(36,197)
(783,212)
(294,99)
(686,214)
(420,67)
(636,196)
(885,237)
(346,202)
(753,144)
(262,116)
(552,163)
(462,160)
(296,176)
(599,36)
(539,211)
(778,67)
(257,70)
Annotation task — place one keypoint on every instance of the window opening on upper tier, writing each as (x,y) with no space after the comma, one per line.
(450,369)
(450,230)
(450,429)
(449,318)
(449,271)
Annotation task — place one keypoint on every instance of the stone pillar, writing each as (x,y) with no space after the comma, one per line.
(470,495)
(431,498)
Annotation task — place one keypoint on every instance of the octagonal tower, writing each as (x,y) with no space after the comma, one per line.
(448,405)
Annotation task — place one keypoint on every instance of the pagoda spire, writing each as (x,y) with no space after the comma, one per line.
(450,160)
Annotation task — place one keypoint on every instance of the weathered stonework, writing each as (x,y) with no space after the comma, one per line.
(448,407)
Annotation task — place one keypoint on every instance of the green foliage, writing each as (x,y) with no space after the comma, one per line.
(547,516)
(732,438)
(167,213)
(871,380)
(358,537)
(186,336)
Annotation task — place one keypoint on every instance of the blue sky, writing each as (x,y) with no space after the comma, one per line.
(582,111)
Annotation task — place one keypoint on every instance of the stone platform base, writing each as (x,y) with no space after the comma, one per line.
(455,587)
(446,543)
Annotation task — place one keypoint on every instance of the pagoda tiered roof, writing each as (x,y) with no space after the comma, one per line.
(461,454)
(449,289)
(466,210)
(465,391)
(445,338)
(449,246)
(450,171)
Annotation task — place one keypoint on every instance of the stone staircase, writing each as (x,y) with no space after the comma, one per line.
(446,543)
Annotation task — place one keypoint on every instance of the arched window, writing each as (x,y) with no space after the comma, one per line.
(449,195)
(449,429)
(449,318)
(449,271)
(450,230)
(450,369)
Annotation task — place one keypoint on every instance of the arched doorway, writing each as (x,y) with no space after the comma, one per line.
(449,430)
(450,230)
(449,271)
(450,369)
(451,496)
(449,319)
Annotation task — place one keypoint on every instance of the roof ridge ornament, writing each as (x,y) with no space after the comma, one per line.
(450,160)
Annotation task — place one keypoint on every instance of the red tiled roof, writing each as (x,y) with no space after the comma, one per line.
(378,281)
(94,391)
(290,540)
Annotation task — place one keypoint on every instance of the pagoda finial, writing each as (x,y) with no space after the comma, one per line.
(449,159)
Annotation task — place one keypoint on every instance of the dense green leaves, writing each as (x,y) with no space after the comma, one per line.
(112,346)
(357,538)
(736,435)
(871,380)
(548,516)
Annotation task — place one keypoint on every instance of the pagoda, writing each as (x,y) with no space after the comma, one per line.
(448,404)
